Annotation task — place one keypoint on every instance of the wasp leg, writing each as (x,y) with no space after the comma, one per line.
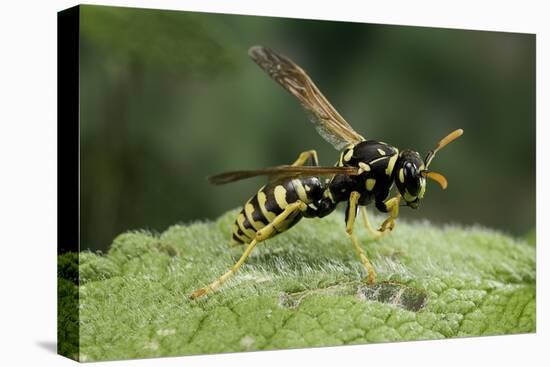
(305,156)
(376,234)
(262,235)
(390,206)
(351,213)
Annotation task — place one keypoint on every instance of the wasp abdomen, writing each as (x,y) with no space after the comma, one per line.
(270,201)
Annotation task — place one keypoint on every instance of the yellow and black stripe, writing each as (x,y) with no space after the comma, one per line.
(270,201)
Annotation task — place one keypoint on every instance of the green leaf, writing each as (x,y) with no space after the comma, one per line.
(302,288)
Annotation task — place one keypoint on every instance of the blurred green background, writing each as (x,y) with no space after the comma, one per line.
(168,98)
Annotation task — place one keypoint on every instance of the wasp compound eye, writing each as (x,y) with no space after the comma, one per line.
(412,178)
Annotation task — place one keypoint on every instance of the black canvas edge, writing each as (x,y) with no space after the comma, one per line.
(68,172)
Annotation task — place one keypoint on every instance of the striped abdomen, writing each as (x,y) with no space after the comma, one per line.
(270,201)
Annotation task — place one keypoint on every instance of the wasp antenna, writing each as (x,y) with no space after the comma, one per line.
(442,143)
(437,177)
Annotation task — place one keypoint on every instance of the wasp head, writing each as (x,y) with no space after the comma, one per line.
(408,177)
(411,171)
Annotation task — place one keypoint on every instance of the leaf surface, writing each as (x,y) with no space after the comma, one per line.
(303,288)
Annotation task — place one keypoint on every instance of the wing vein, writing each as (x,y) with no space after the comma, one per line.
(328,122)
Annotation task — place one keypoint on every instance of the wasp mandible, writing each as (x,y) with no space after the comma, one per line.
(365,172)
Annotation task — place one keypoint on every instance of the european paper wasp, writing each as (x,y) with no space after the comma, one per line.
(365,172)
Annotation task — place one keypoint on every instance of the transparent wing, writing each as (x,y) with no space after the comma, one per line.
(280,172)
(328,122)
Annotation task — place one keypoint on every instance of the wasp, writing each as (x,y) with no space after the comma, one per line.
(365,172)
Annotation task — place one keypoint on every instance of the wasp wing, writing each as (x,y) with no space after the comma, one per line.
(280,172)
(328,122)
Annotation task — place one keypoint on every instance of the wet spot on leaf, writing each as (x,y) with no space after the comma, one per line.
(408,298)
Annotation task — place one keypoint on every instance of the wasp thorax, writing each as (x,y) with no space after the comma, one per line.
(408,179)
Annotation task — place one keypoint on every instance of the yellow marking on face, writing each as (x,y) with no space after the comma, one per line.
(370,184)
(391,163)
(240,221)
(408,197)
(422,187)
(381,151)
(262,199)
(307,188)
(300,190)
(249,209)
(348,155)
(280,196)
(401,175)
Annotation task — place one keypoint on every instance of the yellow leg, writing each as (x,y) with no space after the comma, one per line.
(304,156)
(376,234)
(350,220)
(215,285)
(393,207)
(261,235)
